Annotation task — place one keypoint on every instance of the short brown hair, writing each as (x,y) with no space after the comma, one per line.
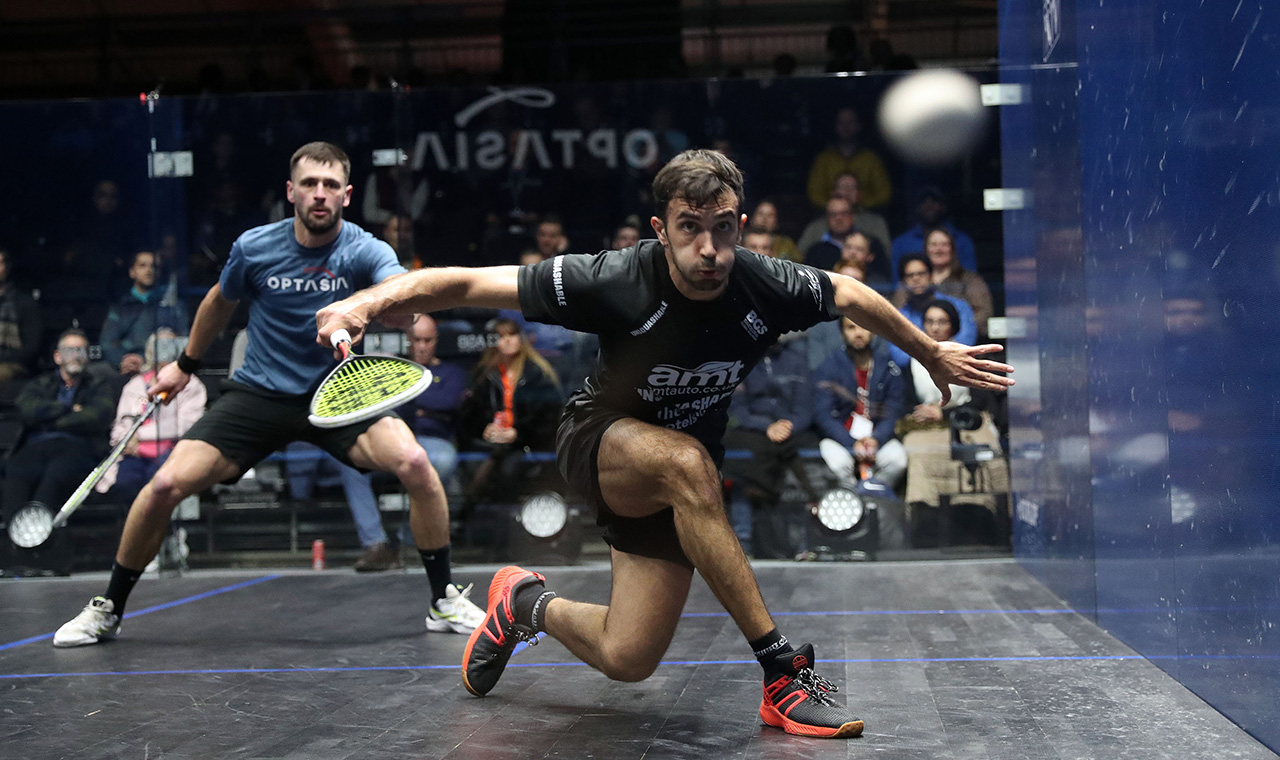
(699,177)
(322,153)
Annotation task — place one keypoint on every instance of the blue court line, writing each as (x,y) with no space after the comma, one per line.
(865,661)
(155,608)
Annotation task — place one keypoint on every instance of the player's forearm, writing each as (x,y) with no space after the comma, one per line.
(211,319)
(428,290)
(869,309)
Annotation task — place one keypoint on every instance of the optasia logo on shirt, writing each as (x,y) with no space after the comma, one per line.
(313,280)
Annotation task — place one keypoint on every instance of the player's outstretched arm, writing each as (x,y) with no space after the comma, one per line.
(948,363)
(425,290)
(211,319)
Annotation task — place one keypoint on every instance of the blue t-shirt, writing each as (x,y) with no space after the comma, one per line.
(287,284)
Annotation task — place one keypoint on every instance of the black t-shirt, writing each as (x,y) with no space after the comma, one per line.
(665,359)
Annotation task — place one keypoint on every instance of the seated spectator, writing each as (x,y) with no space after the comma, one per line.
(858,398)
(765,217)
(398,232)
(758,241)
(826,252)
(916,275)
(926,433)
(137,315)
(850,269)
(848,154)
(860,249)
(20,328)
(769,415)
(627,235)
(512,405)
(65,415)
(952,279)
(157,436)
(433,415)
(931,211)
(549,237)
(868,222)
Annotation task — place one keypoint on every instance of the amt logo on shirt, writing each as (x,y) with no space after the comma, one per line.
(314,279)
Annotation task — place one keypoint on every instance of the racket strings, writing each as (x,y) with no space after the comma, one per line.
(363,382)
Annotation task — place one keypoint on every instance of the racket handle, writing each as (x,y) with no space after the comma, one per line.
(339,337)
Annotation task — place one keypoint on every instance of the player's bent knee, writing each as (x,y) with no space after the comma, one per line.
(691,475)
(413,466)
(166,490)
(628,665)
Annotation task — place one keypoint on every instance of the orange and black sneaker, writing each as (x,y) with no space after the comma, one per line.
(491,645)
(798,700)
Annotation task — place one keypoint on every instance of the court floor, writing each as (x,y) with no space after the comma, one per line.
(944,659)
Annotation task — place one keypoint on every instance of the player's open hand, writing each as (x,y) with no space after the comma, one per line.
(958,364)
(350,314)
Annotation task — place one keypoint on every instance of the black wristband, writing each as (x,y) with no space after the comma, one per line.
(187,364)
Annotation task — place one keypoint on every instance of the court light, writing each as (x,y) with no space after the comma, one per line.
(840,510)
(844,525)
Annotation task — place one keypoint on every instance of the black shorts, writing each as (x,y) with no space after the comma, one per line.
(247,423)
(577,455)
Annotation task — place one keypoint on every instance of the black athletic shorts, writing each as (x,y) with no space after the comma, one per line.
(577,453)
(247,423)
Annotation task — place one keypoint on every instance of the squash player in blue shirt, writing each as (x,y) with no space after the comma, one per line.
(287,270)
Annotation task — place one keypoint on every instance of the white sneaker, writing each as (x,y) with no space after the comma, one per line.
(97,621)
(455,612)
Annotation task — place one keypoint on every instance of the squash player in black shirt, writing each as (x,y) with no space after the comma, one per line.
(681,320)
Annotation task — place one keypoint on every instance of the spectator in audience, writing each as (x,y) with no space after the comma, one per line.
(848,154)
(917,277)
(157,436)
(952,279)
(827,251)
(769,415)
(390,191)
(926,434)
(91,269)
(765,217)
(20,328)
(398,232)
(512,405)
(858,399)
(758,240)
(138,314)
(931,211)
(859,249)
(850,268)
(433,415)
(550,237)
(65,417)
(216,229)
(869,223)
(627,235)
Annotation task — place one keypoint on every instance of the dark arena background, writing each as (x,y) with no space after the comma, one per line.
(1087,566)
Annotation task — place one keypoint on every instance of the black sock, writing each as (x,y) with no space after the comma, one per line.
(531,606)
(439,573)
(121,585)
(769,646)
(526,599)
